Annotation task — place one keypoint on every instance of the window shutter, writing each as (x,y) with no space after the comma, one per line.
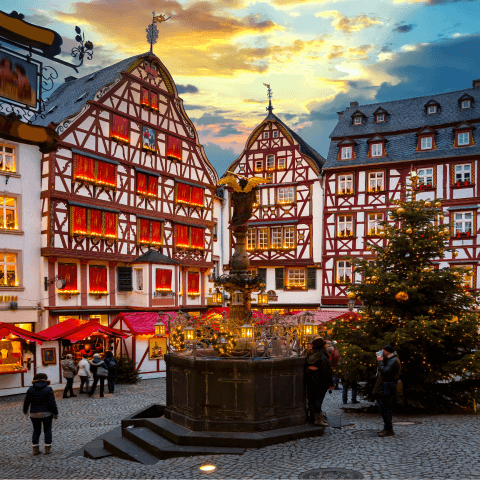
(125,280)
(262,273)
(279,279)
(311,278)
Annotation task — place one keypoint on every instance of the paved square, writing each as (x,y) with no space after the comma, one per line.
(437,447)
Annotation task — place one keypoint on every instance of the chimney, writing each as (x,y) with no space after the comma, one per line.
(476,83)
(353,104)
(69,79)
(339,115)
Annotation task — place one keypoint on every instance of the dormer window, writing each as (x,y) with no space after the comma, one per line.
(347,153)
(376,146)
(432,109)
(380,117)
(466,104)
(426,143)
(346,150)
(463,139)
(463,135)
(465,101)
(426,139)
(357,120)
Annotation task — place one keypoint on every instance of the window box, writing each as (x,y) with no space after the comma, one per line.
(426,186)
(466,183)
(463,234)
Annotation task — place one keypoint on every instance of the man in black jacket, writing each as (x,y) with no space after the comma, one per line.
(319,378)
(389,368)
(43,408)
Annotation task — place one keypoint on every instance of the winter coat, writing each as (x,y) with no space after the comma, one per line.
(111,364)
(40,398)
(68,367)
(84,368)
(322,378)
(98,368)
(388,374)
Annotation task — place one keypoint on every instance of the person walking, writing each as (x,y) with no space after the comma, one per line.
(111,364)
(43,409)
(389,368)
(84,374)
(349,381)
(69,371)
(100,373)
(319,378)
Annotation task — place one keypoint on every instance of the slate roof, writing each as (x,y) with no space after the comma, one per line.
(152,256)
(406,115)
(65,99)
(304,147)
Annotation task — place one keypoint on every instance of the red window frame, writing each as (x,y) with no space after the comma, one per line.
(92,222)
(94,171)
(470,137)
(149,232)
(68,272)
(419,145)
(98,281)
(189,195)
(189,237)
(163,280)
(120,128)
(193,283)
(340,155)
(370,150)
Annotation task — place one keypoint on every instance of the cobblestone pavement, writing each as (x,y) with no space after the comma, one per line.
(438,447)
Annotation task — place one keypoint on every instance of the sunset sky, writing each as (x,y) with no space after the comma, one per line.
(317,55)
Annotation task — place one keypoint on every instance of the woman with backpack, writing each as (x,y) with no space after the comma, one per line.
(112,371)
(100,373)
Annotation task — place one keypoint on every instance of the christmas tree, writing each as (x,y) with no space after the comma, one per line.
(427,313)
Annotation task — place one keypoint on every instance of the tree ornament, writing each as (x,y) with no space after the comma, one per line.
(368,247)
(446,231)
(409,231)
(381,233)
(351,295)
(431,312)
(378,312)
(428,204)
(401,296)
(468,294)
(374,278)
(387,289)
(455,254)
(400,211)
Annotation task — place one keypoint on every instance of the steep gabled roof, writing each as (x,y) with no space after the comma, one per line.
(70,97)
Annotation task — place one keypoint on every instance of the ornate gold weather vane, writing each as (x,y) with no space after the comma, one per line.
(269,95)
(152,30)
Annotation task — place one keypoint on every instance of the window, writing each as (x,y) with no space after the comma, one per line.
(344,271)
(466,104)
(276,235)
(147,184)
(251,239)
(463,222)
(296,277)
(463,174)
(281,163)
(193,284)
(376,149)
(241,168)
(139,279)
(289,237)
(149,99)
(8,213)
(426,143)
(125,279)
(258,198)
(275,134)
(468,275)
(258,165)
(357,120)
(425,177)
(189,194)
(92,222)
(9,270)
(263,238)
(265,134)
(431,109)
(345,184)
(163,280)
(98,279)
(7,159)
(174,148)
(380,117)
(120,128)
(376,181)
(270,162)
(149,232)
(286,195)
(269,177)
(346,153)
(68,272)
(463,138)
(373,223)
(345,226)
(189,237)
(98,172)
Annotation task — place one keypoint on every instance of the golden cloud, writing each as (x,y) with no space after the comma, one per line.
(349,24)
(300,3)
(358,53)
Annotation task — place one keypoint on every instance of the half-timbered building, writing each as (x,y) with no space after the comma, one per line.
(284,235)
(373,148)
(127,199)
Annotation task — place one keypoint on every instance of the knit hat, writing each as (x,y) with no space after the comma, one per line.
(318,343)
(97,355)
(388,348)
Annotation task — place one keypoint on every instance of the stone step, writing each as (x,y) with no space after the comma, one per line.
(96,450)
(123,448)
(183,436)
(163,448)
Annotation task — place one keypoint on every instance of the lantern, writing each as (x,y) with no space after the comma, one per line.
(309,328)
(217,297)
(262,298)
(159,328)
(189,333)
(247,331)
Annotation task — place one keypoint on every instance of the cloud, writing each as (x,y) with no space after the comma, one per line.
(300,3)
(359,53)
(226,131)
(349,25)
(433,2)
(212,119)
(188,106)
(252,100)
(404,28)
(220,158)
(187,89)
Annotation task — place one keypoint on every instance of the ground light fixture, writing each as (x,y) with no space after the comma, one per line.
(208,468)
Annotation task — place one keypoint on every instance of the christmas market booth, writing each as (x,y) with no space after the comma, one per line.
(145,347)
(76,337)
(321,319)
(18,358)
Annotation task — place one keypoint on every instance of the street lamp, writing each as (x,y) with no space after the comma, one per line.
(247,330)
(159,328)
(189,333)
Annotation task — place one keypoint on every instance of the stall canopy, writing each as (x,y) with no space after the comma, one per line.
(323,316)
(213,312)
(9,329)
(75,330)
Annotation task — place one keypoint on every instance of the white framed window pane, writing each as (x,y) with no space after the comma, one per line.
(376,181)
(357,120)
(464,138)
(374,220)
(285,195)
(8,213)
(276,235)
(251,239)
(345,225)
(281,162)
(296,277)
(270,162)
(463,222)
(289,237)
(380,117)
(425,176)
(9,269)
(7,159)
(344,271)
(258,165)
(346,153)
(466,104)
(377,150)
(263,238)
(265,134)
(463,173)
(275,134)
(139,278)
(345,184)
(432,109)
(426,143)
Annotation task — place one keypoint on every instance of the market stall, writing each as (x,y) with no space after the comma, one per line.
(17,358)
